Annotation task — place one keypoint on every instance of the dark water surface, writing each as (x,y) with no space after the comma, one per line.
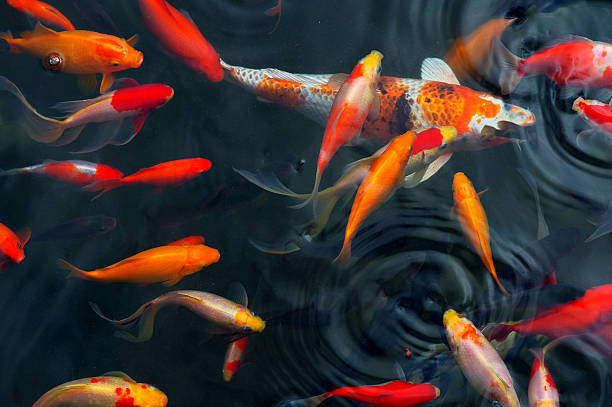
(351,324)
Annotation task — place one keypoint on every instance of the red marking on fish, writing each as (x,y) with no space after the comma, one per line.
(142,98)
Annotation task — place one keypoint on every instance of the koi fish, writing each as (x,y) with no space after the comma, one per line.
(479,361)
(542,389)
(42,12)
(406,104)
(275,11)
(472,55)
(396,393)
(230,318)
(123,112)
(236,349)
(84,227)
(170,173)
(113,389)
(167,264)
(586,314)
(572,61)
(73,172)
(78,52)
(355,101)
(181,37)
(596,114)
(11,245)
(473,220)
(385,174)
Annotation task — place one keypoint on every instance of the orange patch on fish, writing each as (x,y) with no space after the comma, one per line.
(287,93)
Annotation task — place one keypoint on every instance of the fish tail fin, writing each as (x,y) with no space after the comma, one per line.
(509,77)
(38,127)
(103,187)
(313,195)
(541,353)
(144,317)
(7,43)
(498,332)
(74,271)
(270,182)
(501,287)
(345,253)
(14,171)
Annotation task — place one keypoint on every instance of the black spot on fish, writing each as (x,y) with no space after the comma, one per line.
(404,114)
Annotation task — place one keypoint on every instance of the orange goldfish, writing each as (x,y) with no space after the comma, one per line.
(78,52)
(474,221)
(42,12)
(11,245)
(385,174)
(355,101)
(167,264)
(473,55)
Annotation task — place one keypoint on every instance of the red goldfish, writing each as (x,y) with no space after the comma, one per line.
(167,264)
(171,173)
(392,394)
(586,314)
(474,222)
(573,61)
(180,36)
(113,389)
(471,55)
(597,114)
(73,172)
(233,357)
(78,52)
(355,101)
(123,110)
(479,361)
(542,389)
(42,12)
(385,174)
(11,245)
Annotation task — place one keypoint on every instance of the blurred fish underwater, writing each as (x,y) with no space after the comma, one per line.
(210,121)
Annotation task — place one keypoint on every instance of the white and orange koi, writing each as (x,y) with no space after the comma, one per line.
(355,100)
(542,389)
(479,361)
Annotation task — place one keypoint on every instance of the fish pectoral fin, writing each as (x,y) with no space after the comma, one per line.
(375,109)
(337,80)
(187,15)
(263,100)
(107,81)
(24,235)
(119,374)
(171,282)
(435,69)
(414,179)
(482,192)
(133,40)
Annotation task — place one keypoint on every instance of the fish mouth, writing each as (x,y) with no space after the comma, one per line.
(139,60)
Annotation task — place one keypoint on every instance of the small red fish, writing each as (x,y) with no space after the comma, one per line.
(275,11)
(11,245)
(181,37)
(392,394)
(233,357)
(597,114)
(42,12)
(542,389)
(573,61)
(171,173)
(73,172)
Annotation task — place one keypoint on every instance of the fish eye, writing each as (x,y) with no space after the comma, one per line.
(252,313)
(115,63)
(378,69)
(53,62)
(247,329)
(443,145)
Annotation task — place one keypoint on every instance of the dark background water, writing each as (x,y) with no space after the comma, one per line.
(49,335)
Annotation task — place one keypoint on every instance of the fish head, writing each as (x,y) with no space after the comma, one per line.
(579,105)
(248,321)
(116,54)
(105,172)
(146,395)
(371,66)
(12,244)
(201,256)
(490,111)
(449,136)
(14,250)
(200,165)
(462,188)
(151,96)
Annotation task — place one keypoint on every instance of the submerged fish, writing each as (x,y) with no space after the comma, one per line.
(542,389)
(479,361)
(167,264)
(596,114)
(229,317)
(80,228)
(113,389)
(73,172)
(406,104)
(41,11)
(572,61)
(472,55)
(77,52)
(170,173)
(11,245)
(181,37)
(392,394)
(355,101)
(473,220)
(123,111)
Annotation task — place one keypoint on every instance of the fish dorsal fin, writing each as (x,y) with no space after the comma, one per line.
(76,105)
(119,374)
(52,394)
(482,192)
(38,30)
(186,241)
(237,293)
(187,15)
(435,69)
(306,79)
(133,40)
(337,80)
(24,235)
(565,40)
